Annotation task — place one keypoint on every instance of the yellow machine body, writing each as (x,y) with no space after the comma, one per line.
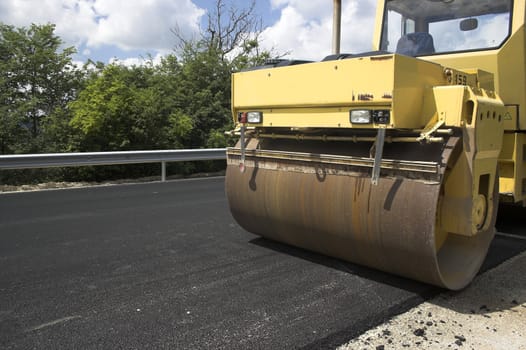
(384,159)
(506,65)
(320,95)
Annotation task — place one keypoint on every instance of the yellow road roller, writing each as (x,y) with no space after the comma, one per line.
(395,159)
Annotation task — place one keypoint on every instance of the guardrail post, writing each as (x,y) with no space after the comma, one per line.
(163,171)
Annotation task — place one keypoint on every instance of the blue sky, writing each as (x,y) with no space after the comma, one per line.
(104,30)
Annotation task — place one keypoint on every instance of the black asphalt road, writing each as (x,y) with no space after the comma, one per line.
(164,266)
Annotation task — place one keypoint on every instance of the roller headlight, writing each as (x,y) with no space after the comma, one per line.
(250,117)
(361,116)
(254,117)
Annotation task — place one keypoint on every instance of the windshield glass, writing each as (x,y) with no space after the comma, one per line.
(426,27)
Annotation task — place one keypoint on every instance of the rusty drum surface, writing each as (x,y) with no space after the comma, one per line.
(327,204)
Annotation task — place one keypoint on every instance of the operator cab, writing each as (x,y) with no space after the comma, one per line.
(428,27)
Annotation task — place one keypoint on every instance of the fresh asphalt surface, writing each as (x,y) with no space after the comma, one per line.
(164,266)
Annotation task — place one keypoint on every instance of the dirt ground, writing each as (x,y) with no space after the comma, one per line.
(489,314)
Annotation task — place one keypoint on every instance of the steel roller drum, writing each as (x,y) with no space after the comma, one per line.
(328,205)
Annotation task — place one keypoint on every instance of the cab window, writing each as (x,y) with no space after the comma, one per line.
(426,27)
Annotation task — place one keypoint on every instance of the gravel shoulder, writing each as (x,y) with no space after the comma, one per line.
(489,314)
(59,185)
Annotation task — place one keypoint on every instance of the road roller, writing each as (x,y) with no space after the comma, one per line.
(397,158)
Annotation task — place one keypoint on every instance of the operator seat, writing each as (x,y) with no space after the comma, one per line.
(415,44)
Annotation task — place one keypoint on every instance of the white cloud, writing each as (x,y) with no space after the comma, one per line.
(305,28)
(127,24)
(309,9)
(138,61)
(140,26)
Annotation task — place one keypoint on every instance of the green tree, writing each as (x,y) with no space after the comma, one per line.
(202,92)
(229,42)
(128,108)
(37,80)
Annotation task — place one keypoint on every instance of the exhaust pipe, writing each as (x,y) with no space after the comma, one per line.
(336,27)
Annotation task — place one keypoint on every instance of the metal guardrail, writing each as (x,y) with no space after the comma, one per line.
(50,160)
